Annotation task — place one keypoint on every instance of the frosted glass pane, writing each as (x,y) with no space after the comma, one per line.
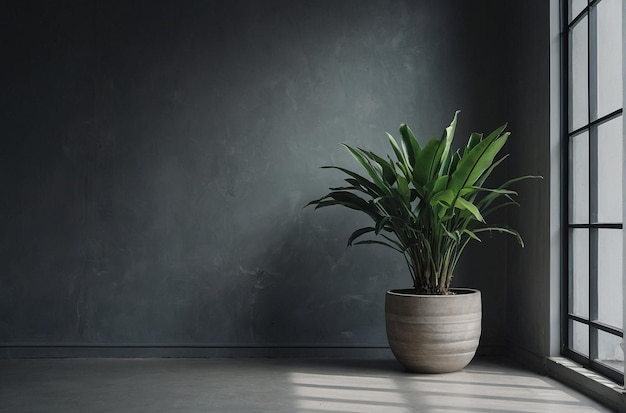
(579,179)
(610,277)
(579,81)
(609,350)
(580,337)
(575,7)
(579,272)
(610,83)
(610,171)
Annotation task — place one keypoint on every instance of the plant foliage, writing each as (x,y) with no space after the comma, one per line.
(426,202)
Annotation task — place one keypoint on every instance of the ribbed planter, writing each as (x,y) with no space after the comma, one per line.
(433,333)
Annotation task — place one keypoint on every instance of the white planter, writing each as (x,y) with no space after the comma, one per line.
(433,333)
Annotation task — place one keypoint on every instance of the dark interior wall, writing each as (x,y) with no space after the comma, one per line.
(157,156)
(528,100)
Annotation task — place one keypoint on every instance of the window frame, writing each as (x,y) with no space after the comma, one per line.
(591,127)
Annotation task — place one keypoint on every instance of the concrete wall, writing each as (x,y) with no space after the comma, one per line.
(157,156)
(530,292)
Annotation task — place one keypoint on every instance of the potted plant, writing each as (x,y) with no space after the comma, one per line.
(428,203)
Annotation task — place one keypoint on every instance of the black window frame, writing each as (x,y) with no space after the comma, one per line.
(591,127)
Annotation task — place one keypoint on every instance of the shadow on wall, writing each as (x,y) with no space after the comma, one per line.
(305,288)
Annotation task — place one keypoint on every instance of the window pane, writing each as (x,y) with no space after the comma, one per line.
(579,337)
(610,171)
(579,179)
(609,351)
(575,7)
(609,31)
(579,75)
(579,272)
(610,276)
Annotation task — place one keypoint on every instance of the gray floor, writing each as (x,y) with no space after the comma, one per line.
(275,385)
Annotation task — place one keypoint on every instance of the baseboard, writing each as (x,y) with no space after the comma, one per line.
(177,350)
(71,350)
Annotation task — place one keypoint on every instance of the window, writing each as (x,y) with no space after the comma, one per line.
(593,131)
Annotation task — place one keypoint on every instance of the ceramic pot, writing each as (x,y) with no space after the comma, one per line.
(433,333)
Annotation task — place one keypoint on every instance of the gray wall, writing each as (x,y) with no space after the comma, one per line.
(157,156)
(530,292)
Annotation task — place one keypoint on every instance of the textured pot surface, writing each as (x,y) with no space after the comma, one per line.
(433,333)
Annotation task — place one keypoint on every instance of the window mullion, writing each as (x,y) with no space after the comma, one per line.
(623,171)
(592,108)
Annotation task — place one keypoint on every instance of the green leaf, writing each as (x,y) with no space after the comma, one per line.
(381,224)
(474,140)
(440,184)
(389,173)
(495,208)
(345,188)
(487,200)
(504,231)
(410,144)
(358,178)
(357,187)
(489,170)
(444,198)
(359,232)
(446,155)
(456,157)
(372,241)
(452,235)
(352,201)
(428,161)
(477,161)
(375,175)
(397,150)
(471,235)
(324,203)
(403,188)
(442,204)
(370,186)
(466,205)
(474,189)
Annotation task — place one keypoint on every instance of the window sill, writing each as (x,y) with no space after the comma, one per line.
(586,381)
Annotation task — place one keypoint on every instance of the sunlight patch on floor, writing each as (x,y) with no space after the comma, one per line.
(493,390)
(341,393)
(470,403)
(338,380)
(465,391)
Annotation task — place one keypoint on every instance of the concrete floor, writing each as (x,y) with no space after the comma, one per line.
(275,385)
